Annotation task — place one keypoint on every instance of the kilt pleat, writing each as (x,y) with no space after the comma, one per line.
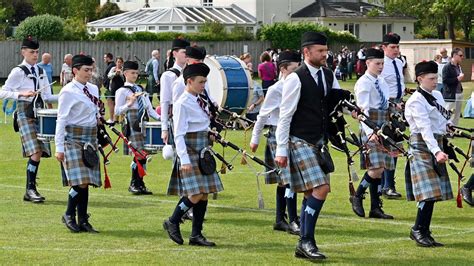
(76,172)
(29,127)
(305,172)
(193,183)
(270,152)
(425,183)
(137,138)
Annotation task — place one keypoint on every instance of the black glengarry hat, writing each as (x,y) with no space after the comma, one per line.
(30,42)
(193,70)
(391,38)
(130,65)
(196,52)
(288,56)
(82,60)
(373,53)
(179,43)
(312,37)
(426,67)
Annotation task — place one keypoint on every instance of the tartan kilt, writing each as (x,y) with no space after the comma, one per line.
(378,155)
(75,171)
(28,128)
(305,172)
(270,152)
(137,138)
(194,183)
(425,183)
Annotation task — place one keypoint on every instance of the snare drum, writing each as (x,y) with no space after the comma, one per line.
(230,83)
(47,123)
(153,141)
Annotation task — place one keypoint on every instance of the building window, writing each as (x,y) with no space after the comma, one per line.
(151,28)
(122,29)
(130,29)
(206,3)
(177,28)
(191,28)
(99,29)
(468,52)
(386,28)
(163,28)
(92,29)
(352,28)
(249,29)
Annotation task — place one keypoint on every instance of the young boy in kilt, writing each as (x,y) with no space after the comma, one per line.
(372,97)
(428,119)
(76,131)
(301,135)
(21,84)
(194,54)
(287,62)
(191,125)
(130,101)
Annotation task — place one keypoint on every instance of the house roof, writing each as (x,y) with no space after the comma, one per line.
(177,15)
(341,9)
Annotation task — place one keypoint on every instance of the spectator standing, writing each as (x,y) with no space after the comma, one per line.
(452,91)
(266,71)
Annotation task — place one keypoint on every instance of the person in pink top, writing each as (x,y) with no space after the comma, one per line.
(267,71)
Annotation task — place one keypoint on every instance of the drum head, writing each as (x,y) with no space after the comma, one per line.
(153,124)
(216,80)
(47,112)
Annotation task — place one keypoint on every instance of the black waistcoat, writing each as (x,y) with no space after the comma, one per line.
(310,121)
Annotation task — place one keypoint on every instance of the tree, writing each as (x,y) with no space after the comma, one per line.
(83,9)
(59,7)
(107,10)
(22,10)
(43,27)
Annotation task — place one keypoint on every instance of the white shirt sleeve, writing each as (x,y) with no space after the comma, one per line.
(166,97)
(12,85)
(64,107)
(180,129)
(362,92)
(271,102)
(151,111)
(156,66)
(46,93)
(289,101)
(111,73)
(121,106)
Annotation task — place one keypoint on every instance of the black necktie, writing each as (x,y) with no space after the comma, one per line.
(432,101)
(95,101)
(320,81)
(33,71)
(399,83)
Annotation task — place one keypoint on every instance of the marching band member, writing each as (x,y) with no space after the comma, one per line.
(21,85)
(372,94)
(191,124)
(427,118)
(392,73)
(194,54)
(287,62)
(300,135)
(131,102)
(76,142)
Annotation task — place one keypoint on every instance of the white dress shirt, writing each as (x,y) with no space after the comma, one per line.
(367,96)
(269,112)
(426,119)
(156,68)
(18,82)
(390,77)
(361,55)
(75,108)
(166,94)
(121,105)
(290,98)
(188,116)
(179,87)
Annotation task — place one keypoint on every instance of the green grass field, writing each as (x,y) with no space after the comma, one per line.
(131,230)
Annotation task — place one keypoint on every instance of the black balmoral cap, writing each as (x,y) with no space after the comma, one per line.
(30,42)
(193,70)
(82,60)
(373,53)
(426,67)
(130,65)
(312,37)
(196,52)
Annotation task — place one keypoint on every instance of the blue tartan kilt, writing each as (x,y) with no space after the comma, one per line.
(28,133)
(194,183)
(270,152)
(75,171)
(137,138)
(425,183)
(305,172)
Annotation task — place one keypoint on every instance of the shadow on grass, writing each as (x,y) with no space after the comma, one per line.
(128,233)
(113,204)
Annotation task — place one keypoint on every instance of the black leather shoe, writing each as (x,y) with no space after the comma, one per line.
(200,240)
(70,223)
(145,191)
(433,241)
(33,196)
(281,226)
(307,249)
(467,195)
(420,238)
(134,190)
(85,226)
(379,214)
(357,205)
(173,232)
(391,193)
(294,228)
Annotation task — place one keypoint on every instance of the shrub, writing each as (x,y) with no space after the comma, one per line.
(43,27)
(144,36)
(112,35)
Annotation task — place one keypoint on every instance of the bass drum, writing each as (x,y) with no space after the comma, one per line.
(230,83)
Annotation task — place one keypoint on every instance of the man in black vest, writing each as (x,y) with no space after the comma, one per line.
(301,135)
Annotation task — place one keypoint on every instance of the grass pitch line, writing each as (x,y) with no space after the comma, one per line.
(151,200)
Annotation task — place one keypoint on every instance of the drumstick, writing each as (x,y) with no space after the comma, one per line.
(44,87)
